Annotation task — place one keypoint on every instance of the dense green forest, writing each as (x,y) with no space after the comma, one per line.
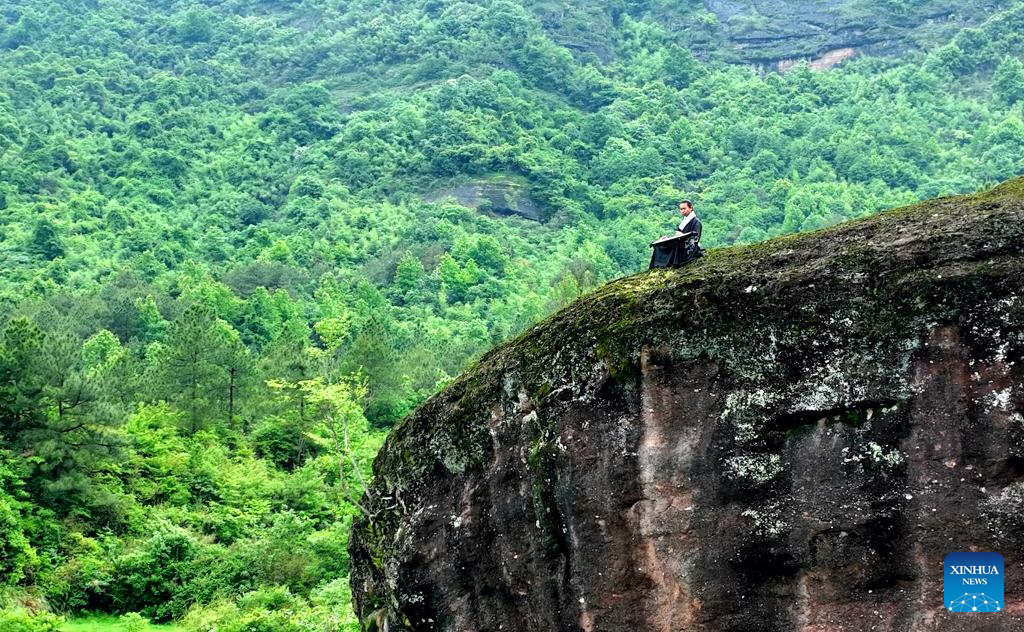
(228,264)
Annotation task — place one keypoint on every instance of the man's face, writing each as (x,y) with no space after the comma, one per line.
(685,209)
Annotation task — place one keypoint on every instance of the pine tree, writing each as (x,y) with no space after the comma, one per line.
(21,383)
(204,367)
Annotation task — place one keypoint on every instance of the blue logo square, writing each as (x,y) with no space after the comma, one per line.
(974,582)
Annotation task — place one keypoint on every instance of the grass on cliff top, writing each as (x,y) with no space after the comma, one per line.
(738,260)
(721,261)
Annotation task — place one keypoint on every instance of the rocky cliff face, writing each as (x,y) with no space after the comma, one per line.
(786,436)
(499,197)
(771,34)
(767,32)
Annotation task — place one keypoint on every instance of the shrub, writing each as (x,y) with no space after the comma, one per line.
(78,581)
(271,609)
(271,598)
(147,578)
(16,554)
(134,622)
(22,621)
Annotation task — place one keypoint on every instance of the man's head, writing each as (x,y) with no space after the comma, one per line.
(685,207)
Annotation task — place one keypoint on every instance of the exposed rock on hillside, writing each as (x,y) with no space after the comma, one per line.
(768,31)
(772,34)
(786,436)
(498,197)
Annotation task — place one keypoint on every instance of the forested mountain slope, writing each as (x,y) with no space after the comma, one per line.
(215,237)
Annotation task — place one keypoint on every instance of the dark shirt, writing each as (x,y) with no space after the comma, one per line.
(680,249)
(693,228)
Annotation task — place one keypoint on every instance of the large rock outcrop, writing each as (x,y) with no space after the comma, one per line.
(769,31)
(770,34)
(497,196)
(785,436)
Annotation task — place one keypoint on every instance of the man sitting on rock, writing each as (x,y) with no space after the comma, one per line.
(684,246)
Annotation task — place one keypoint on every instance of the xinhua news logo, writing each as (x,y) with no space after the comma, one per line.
(974,582)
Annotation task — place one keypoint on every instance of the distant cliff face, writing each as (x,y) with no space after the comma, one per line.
(500,197)
(772,34)
(786,436)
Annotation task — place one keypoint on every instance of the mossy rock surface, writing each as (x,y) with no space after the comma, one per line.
(808,422)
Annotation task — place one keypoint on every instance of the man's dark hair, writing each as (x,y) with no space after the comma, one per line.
(686,202)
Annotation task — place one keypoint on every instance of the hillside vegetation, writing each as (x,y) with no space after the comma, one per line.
(220,282)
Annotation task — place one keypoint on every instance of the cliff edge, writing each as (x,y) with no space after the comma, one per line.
(785,436)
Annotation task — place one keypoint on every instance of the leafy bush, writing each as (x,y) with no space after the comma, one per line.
(16,553)
(23,621)
(270,609)
(147,578)
(79,580)
(134,622)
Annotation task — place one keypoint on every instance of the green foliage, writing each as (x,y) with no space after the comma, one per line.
(202,366)
(146,578)
(1008,82)
(124,623)
(134,622)
(23,621)
(17,556)
(196,25)
(45,240)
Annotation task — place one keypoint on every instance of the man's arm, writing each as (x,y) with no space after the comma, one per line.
(697,228)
